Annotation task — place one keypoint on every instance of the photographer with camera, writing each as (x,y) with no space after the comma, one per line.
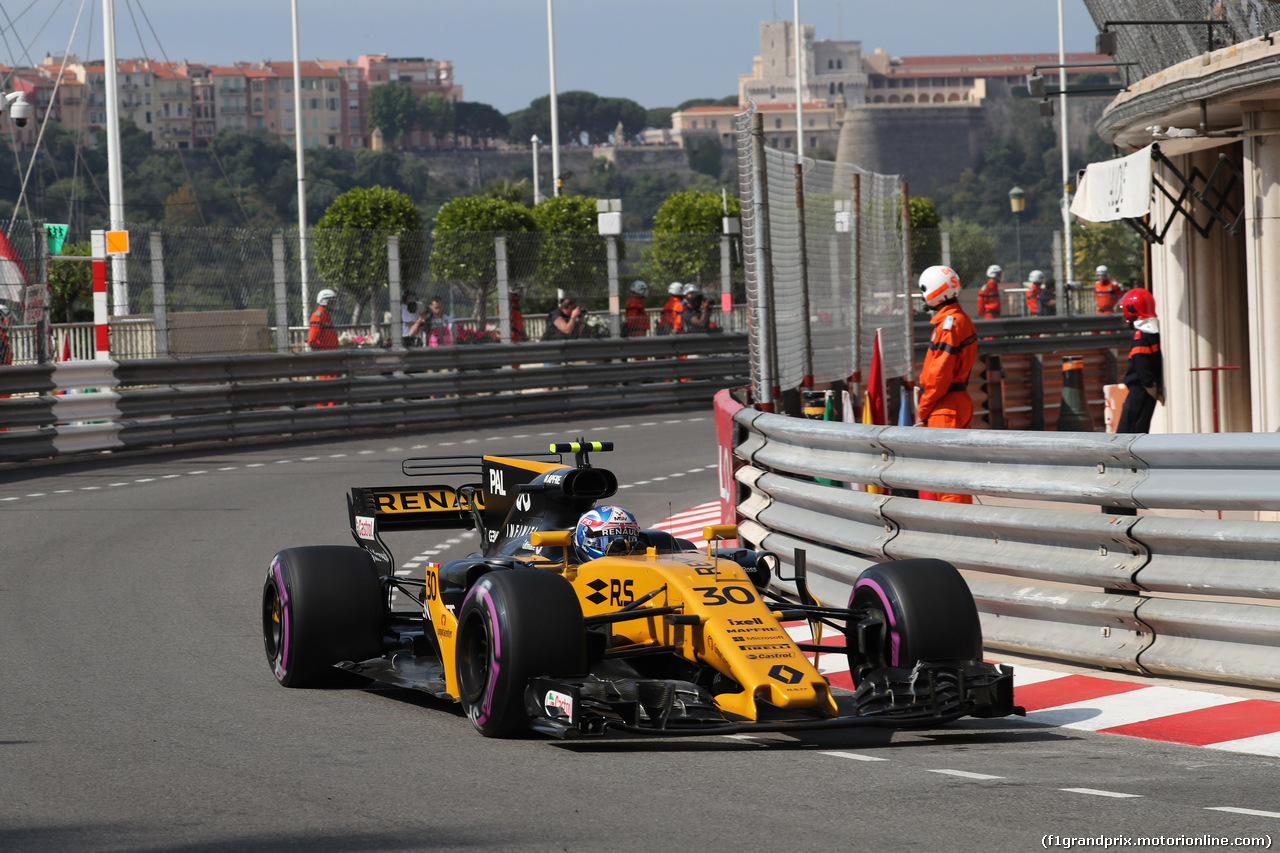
(565,322)
(411,319)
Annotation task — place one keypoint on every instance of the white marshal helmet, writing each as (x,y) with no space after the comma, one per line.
(938,284)
(1101,271)
(994,271)
(1036,277)
(639,288)
(326,297)
(690,289)
(6,313)
(675,288)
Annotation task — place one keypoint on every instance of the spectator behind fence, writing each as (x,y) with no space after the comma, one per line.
(989,294)
(695,313)
(321,335)
(635,317)
(669,321)
(411,319)
(1047,304)
(517,318)
(440,327)
(565,322)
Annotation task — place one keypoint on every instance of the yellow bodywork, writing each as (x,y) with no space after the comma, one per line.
(737,633)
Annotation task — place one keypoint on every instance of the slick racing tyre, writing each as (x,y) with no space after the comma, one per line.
(515,624)
(320,605)
(927,608)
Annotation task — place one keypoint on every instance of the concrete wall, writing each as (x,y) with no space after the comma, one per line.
(924,144)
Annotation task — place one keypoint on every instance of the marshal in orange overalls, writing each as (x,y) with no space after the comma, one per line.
(944,401)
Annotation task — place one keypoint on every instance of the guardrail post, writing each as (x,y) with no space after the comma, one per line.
(394,293)
(282,292)
(160,305)
(504,288)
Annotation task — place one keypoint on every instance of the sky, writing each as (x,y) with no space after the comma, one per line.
(655,52)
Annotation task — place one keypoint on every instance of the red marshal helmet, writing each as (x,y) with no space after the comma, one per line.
(938,284)
(1137,304)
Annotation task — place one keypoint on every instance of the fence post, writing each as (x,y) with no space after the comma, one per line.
(766,394)
(908,290)
(806,351)
(946,248)
(504,289)
(282,292)
(726,282)
(42,278)
(1060,281)
(395,294)
(855,388)
(160,305)
(611,246)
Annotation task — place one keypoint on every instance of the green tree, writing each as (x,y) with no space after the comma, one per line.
(71,284)
(579,112)
(479,121)
(436,114)
(659,117)
(350,241)
(686,236)
(704,154)
(393,109)
(462,250)
(572,252)
(972,250)
(1111,243)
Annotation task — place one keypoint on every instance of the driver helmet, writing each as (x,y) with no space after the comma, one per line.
(994,271)
(605,530)
(326,297)
(639,288)
(675,288)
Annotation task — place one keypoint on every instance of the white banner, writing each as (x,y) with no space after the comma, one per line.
(1115,189)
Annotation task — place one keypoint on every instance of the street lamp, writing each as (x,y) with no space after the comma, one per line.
(1018,204)
(535,140)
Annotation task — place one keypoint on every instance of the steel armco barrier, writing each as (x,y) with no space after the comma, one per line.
(1145,593)
(74,407)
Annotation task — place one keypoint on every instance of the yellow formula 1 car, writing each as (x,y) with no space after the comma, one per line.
(572,621)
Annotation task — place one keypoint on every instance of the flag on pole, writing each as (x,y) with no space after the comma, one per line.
(66,345)
(875,385)
(868,415)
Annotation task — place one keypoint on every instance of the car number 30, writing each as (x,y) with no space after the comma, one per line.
(713,596)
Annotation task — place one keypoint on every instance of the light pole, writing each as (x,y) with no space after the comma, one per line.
(1018,204)
(535,140)
(555,110)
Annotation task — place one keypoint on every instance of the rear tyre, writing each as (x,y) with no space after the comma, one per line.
(928,610)
(515,625)
(320,605)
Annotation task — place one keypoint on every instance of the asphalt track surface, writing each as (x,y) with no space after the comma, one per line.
(137,711)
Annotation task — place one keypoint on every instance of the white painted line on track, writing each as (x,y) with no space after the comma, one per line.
(170,476)
(310,458)
(90,488)
(657,479)
(336,455)
(195,473)
(11,499)
(367,452)
(255,465)
(146,480)
(228,468)
(1268,744)
(1094,792)
(965,774)
(113,485)
(1235,810)
(283,461)
(66,491)
(676,474)
(855,756)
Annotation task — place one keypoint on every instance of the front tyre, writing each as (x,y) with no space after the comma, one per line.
(320,605)
(928,613)
(515,624)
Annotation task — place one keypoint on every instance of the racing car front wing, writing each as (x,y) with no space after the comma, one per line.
(931,693)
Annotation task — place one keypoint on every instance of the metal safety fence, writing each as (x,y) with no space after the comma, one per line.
(826,266)
(73,407)
(1153,581)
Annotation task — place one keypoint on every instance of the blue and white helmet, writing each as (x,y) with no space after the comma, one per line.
(601,530)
